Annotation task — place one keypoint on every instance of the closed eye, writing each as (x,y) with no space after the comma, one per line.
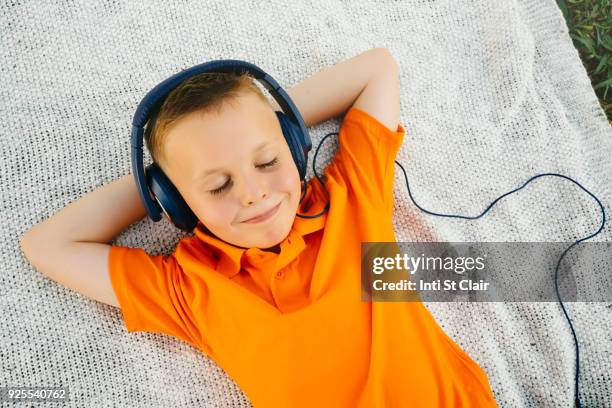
(269,164)
(229,182)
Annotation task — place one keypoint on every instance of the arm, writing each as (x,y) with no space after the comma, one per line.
(368,81)
(71,247)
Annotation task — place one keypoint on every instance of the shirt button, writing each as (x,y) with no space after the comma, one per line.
(280,274)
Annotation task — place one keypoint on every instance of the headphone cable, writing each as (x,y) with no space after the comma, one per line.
(603,213)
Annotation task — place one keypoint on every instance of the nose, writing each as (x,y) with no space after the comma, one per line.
(253,188)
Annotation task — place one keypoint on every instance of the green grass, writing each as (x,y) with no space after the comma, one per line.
(590,27)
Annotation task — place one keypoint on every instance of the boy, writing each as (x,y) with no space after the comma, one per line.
(274,300)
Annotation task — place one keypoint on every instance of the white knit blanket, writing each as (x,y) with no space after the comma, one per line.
(492,92)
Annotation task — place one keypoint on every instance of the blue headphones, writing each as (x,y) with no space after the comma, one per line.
(155,188)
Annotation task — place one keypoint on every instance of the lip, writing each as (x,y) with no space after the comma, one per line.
(265,216)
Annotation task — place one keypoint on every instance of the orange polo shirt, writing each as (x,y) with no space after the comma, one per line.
(290,328)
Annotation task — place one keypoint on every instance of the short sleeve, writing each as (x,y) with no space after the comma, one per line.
(149,291)
(366,157)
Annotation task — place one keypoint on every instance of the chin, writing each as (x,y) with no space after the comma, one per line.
(278,235)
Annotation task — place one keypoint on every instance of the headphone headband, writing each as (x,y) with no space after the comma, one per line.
(157,95)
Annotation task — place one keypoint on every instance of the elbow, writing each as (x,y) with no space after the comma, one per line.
(386,56)
(386,65)
(31,242)
(30,246)
(25,243)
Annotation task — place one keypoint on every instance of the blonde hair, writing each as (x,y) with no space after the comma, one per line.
(203,93)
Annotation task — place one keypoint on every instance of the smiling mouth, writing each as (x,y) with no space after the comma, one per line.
(265,216)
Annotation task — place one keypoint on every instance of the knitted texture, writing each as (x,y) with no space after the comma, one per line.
(491,93)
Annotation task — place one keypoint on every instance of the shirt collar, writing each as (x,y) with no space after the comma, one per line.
(230,256)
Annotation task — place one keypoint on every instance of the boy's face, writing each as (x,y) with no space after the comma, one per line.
(228,151)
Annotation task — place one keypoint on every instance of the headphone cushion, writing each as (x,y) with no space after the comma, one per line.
(169,199)
(295,141)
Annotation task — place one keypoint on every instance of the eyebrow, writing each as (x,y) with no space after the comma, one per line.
(211,171)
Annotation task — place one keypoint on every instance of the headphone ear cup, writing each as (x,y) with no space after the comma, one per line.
(169,199)
(295,141)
